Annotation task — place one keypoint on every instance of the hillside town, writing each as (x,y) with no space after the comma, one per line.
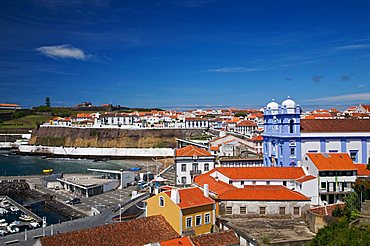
(255,177)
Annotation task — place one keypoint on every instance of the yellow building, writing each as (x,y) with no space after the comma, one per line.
(190,211)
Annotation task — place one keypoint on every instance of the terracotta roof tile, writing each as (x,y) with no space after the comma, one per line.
(332,161)
(191,150)
(258,138)
(217,187)
(305,178)
(263,193)
(246,123)
(326,210)
(134,232)
(216,239)
(182,241)
(191,197)
(362,170)
(262,173)
(335,125)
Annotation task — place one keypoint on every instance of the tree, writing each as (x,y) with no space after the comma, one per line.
(368,164)
(47,101)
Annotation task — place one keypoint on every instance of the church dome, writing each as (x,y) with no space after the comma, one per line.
(272,105)
(289,103)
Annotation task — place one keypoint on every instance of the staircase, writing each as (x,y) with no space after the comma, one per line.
(170,175)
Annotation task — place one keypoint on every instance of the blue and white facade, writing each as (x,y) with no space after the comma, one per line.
(285,143)
(281,138)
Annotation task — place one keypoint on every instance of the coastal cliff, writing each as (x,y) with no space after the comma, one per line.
(110,138)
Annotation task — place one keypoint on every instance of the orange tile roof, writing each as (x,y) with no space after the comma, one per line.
(263,193)
(216,239)
(362,170)
(258,138)
(246,123)
(83,115)
(305,178)
(182,241)
(335,125)
(332,161)
(8,105)
(141,231)
(191,197)
(191,150)
(326,210)
(214,148)
(217,187)
(262,173)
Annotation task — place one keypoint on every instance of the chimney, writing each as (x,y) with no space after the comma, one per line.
(205,190)
(175,197)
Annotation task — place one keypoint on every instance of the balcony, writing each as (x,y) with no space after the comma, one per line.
(331,190)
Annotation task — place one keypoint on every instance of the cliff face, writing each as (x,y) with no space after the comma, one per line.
(109,138)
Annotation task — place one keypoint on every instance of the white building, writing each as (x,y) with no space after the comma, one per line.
(336,174)
(191,161)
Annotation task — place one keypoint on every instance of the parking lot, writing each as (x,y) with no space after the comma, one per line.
(107,199)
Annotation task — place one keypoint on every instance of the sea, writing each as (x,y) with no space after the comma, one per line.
(19,165)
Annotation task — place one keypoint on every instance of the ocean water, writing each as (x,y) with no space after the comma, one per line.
(14,165)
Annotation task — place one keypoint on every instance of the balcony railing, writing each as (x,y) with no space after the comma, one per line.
(337,190)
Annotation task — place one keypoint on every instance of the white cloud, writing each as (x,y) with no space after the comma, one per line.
(343,98)
(233,70)
(64,51)
(353,47)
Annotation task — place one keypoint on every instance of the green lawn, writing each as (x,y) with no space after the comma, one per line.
(29,122)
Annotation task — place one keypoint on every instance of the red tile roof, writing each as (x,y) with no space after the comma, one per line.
(134,232)
(191,197)
(362,170)
(263,193)
(258,138)
(246,123)
(262,173)
(326,210)
(305,178)
(8,105)
(332,161)
(191,150)
(182,241)
(214,148)
(335,125)
(217,187)
(216,239)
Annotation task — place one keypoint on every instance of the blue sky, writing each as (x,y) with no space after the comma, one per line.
(184,53)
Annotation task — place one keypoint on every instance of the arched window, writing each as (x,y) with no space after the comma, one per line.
(291,126)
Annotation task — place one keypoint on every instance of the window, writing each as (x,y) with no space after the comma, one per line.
(183,180)
(183,167)
(230,182)
(161,201)
(189,222)
(284,183)
(229,210)
(262,210)
(198,220)
(323,185)
(296,210)
(292,151)
(281,210)
(206,167)
(207,218)
(195,167)
(267,182)
(291,126)
(241,182)
(353,155)
(253,182)
(243,210)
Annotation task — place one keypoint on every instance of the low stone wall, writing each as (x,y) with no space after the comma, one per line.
(78,152)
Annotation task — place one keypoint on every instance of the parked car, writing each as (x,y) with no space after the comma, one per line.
(73,201)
